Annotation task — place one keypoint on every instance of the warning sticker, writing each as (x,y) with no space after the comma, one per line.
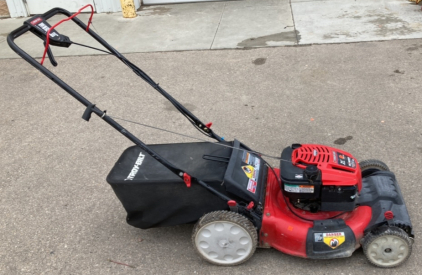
(252,168)
(345,160)
(247,158)
(334,239)
(319,238)
(353,163)
(257,163)
(249,171)
(291,188)
(252,186)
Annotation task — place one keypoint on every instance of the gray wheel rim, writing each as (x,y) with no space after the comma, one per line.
(388,250)
(224,242)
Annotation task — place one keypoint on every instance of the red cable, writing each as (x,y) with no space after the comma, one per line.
(66,19)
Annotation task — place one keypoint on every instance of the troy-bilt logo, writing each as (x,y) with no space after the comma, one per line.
(135,168)
(46,29)
(36,21)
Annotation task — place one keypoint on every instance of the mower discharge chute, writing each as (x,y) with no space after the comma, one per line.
(321,203)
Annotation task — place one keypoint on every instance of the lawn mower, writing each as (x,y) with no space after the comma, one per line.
(320,203)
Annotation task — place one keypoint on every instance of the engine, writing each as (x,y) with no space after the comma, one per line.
(320,178)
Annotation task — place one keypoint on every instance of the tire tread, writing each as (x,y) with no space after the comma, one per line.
(229,217)
(383,231)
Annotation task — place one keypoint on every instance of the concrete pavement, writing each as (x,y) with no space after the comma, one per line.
(194,26)
(237,24)
(337,21)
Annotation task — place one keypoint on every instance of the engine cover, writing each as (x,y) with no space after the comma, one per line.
(333,188)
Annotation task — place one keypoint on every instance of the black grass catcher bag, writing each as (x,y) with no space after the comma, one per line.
(153,196)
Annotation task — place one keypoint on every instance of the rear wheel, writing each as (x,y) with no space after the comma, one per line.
(225,238)
(370,166)
(387,247)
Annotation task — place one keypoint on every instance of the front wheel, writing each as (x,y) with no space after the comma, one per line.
(387,247)
(371,166)
(225,238)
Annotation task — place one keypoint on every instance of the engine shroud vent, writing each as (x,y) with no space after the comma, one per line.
(311,154)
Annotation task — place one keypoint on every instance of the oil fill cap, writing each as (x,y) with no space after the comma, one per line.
(311,172)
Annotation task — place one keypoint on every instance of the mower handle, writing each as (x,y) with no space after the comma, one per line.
(90,107)
(25,28)
(55,11)
(18,32)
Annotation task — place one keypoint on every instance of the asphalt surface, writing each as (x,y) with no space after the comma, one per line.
(58,214)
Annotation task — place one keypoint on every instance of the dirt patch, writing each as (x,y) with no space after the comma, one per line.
(290,36)
(337,35)
(260,61)
(414,48)
(389,24)
(147,11)
(398,71)
(341,141)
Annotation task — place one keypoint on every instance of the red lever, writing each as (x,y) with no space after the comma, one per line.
(66,19)
(208,125)
(250,205)
(187,179)
(389,215)
(232,203)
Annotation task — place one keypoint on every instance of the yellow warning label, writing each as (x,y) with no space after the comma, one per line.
(334,239)
(249,171)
